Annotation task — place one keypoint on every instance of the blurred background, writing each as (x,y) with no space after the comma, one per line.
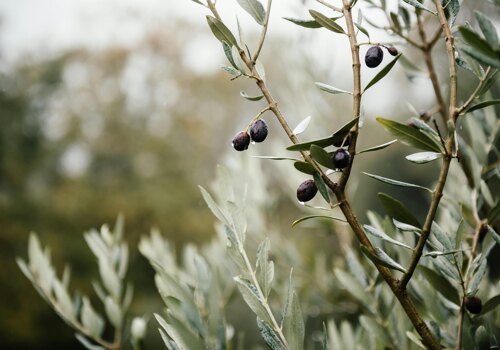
(120,106)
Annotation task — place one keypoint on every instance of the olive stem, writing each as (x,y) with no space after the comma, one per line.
(263,33)
(327,4)
(257,117)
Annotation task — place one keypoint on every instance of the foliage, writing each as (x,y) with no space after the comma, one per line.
(409,279)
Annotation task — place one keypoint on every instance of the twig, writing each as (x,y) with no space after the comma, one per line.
(473,96)
(263,33)
(264,110)
(427,52)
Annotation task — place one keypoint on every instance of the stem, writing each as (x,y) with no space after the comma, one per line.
(427,52)
(327,4)
(263,34)
(264,110)
(473,96)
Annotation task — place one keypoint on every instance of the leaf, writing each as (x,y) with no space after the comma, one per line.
(251,98)
(381,258)
(326,22)
(231,70)
(410,136)
(376,330)
(213,206)
(382,73)
(330,89)
(491,304)
(418,5)
(395,182)
(251,296)
(302,126)
(488,29)
(354,287)
(376,148)
(264,268)
(442,237)
(382,235)
(337,136)
(423,157)
(415,339)
(255,9)
(362,30)
(229,54)
(305,168)
(307,23)
(321,156)
(478,47)
(397,210)
(405,227)
(198,2)
(293,322)
(478,276)
(270,336)
(298,221)
(482,105)
(86,343)
(451,10)
(277,158)
(320,184)
(220,31)
(440,284)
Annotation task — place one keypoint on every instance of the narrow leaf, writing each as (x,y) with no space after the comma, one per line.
(480,46)
(382,235)
(410,136)
(307,23)
(337,136)
(255,9)
(270,336)
(320,184)
(277,158)
(321,156)
(305,168)
(381,258)
(252,298)
(298,221)
(476,279)
(395,182)
(326,22)
(491,304)
(330,89)
(397,210)
(382,73)
(418,5)
(376,148)
(482,105)
(293,323)
(251,98)
(488,29)
(440,284)
(302,126)
(423,157)
(220,31)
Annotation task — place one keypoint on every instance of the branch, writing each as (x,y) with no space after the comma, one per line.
(327,4)
(474,93)
(263,34)
(427,52)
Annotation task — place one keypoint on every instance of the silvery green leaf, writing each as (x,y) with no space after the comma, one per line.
(231,70)
(376,148)
(253,299)
(491,304)
(109,278)
(298,221)
(382,73)
(415,339)
(442,237)
(260,70)
(220,31)
(114,312)
(302,126)
(64,300)
(423,157)
(96,245)
(381,258)
(354,287)
(405,227)
(270,336)
(293,323)
(440,284)
(330,89)
(356,268)
(487,28)
(307,23)
(451,10)
(418,5)
(375,329)
(446,268)
(91,320)
(228,52)
(87,344)
(478,276)
(264,267)
(127,298)
(25,269)
(213,206)
(321,156)
(493,234)
(277,158)
(395,182)
(382,235)
(251,98)
(322,188)
(326,22)
(123,263)
(255,9)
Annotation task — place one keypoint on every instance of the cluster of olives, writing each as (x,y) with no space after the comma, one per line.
(374,55)
(307,189)
(258,133)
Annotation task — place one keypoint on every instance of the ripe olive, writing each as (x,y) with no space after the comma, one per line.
(241,141)
(258,131)
(306,191)
(341,158)
(374,56)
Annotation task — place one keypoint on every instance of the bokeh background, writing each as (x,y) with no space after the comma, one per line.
(120,106)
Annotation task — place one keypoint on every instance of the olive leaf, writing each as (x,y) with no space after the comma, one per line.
(220,31)
(382,73)
(326,22)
